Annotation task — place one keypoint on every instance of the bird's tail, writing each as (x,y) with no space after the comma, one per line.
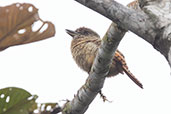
(120,58)
(132,77)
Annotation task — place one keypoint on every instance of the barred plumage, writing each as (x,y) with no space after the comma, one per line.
(84,48)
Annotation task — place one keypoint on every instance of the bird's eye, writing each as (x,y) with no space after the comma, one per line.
(86,33)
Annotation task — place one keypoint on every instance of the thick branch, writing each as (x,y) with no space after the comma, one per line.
(100,68)
(159,12)
(135,21)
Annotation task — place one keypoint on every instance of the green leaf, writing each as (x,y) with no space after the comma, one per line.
(16,101)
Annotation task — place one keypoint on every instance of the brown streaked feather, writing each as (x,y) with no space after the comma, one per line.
(120,58)
(132,77)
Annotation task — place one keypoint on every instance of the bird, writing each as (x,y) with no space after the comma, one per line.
(84,47)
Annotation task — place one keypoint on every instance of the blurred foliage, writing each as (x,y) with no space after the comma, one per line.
(16,28)
(49,108)
(16,101)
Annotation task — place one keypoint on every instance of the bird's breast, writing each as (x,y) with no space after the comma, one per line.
(84,54)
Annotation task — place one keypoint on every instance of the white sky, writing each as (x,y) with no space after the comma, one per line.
(46,68)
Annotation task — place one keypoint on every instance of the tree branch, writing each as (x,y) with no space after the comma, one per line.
(137,22)
(100,68)
(159,11)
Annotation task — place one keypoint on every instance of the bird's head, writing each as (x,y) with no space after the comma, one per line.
(82,32)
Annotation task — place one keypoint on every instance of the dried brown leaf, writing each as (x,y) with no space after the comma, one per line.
(16,22)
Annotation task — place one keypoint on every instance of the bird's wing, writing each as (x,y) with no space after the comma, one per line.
(120,58)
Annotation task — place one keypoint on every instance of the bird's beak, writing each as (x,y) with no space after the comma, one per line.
(71,33)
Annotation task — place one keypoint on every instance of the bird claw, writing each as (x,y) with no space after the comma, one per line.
(104,97)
